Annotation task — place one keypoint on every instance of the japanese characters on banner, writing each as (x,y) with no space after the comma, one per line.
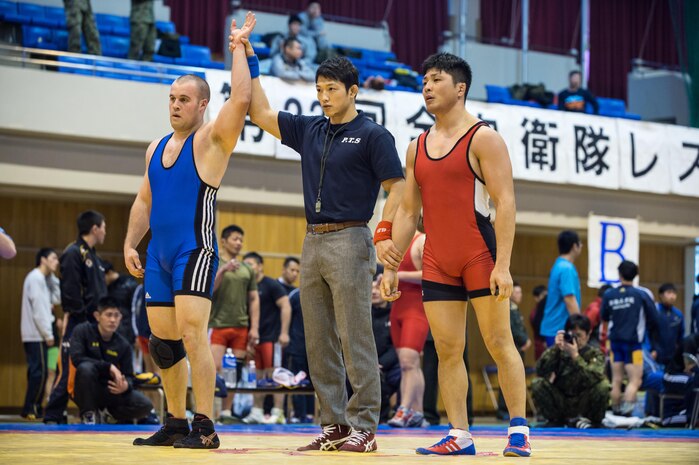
(544,145)
(610,241)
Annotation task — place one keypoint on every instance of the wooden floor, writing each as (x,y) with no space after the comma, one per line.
(111,445)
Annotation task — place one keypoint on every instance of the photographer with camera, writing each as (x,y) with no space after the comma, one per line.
(571,387)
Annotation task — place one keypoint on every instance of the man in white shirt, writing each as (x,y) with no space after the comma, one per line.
(37,334)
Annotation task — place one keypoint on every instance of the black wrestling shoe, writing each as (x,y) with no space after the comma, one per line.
(173,430)
(202,435)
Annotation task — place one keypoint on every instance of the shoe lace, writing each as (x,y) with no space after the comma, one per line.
(518,440)
(358,437)
(327,431)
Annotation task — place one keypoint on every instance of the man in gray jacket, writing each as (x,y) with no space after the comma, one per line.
(37,333)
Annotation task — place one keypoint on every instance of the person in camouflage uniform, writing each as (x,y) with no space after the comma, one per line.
(571,387)
(143,32)
(79,18)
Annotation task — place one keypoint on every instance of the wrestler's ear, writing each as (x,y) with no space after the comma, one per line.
(353,91)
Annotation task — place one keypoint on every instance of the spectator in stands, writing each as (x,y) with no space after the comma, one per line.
(694,327)
(103,377)
(7,246)
(313,26)
(308,45)
(564,287)
(575,97)
(535,316)
(670,325)
(374,82)
(79,18)
(571,387)
(275,317)
(290,64)
(629,310)
(82,286)
(290,273)
(235,307)
(593,312)
(297,360)
(37,334)
(142,46)
(388,357)
(121,287)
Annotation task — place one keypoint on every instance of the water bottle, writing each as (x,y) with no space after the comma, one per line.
(229,368)
(252,374)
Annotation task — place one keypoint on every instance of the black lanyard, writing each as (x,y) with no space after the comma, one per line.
(324,158)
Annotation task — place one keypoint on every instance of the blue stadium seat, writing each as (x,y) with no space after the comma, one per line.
(74,60)
(498,94)
(16,15)
(7,8)
(196,55)
(113,25)
(611,106)
(138,67)
(56,15)
(108,74)
(33,11)
(167,27)
(183,39)
(633,116)
(163,59)
(60,38)
(37,37)
(115,46)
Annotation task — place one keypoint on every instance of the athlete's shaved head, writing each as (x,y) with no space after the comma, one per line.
(202,85)
(456,67)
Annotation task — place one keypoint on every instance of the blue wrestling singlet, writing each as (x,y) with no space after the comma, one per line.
(182,255)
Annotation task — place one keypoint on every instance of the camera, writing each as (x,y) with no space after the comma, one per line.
(569,337)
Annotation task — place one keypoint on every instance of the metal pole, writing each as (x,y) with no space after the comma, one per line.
(463,10)
(585,42)
(525,40)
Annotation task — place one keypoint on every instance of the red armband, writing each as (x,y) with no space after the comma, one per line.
(383,231)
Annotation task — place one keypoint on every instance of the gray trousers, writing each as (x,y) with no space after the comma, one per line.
(337,270)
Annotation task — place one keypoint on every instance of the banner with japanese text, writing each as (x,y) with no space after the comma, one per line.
(609,242)
(544,145)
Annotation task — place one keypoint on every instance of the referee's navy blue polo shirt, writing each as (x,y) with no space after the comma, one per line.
(361,156)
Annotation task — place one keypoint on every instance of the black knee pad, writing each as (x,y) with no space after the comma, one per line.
(166,353)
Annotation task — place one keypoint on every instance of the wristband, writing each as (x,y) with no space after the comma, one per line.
(254,65)
(383,231)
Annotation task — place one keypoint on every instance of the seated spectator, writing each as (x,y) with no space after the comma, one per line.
(571,387)
(575,97)
(121,288)
(374,82)
(599,334)
(289,64)
(313,27)
(102,381)
(681,378)
(388,358)
(629,309)
(308,45)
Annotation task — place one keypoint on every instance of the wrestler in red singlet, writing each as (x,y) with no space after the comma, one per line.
(409,326)
(460,247)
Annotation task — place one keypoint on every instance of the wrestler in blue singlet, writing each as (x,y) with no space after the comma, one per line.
(183,252)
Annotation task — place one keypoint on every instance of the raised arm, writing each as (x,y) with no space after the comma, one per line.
(261,113)
(139,220)
(230,121)
(494,162)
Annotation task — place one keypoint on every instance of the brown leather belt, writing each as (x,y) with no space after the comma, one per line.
(325,228)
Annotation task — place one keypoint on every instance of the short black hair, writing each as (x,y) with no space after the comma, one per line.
(538,290)
(228,230)
(88,219)
(43,252)
(294,19)
(255,256)
(106,303)
(603,289)
(288,260)
(516,284)
(456,67)
(339,69)
(573,73)
(290,40)
(628,270)
(578,321)
(666,287)
(566,241)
